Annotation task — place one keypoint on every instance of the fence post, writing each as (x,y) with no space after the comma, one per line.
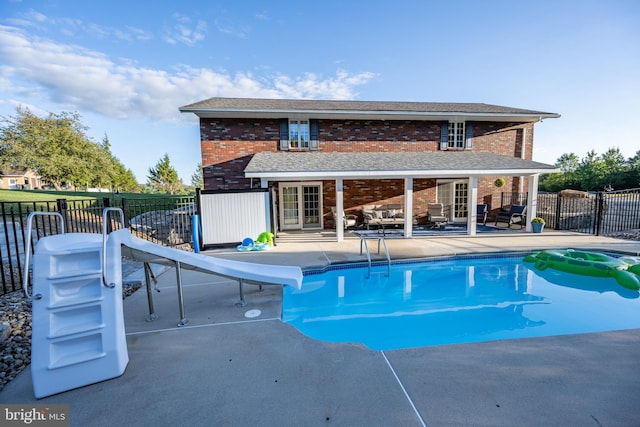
(106,203)
(599,212)
(123,205)
(558,209)
(61,204)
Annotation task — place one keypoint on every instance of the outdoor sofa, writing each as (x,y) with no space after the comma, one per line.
(382,215)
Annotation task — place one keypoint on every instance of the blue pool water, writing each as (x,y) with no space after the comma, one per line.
(455,301)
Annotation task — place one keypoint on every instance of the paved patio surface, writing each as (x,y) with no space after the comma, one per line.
(230,370)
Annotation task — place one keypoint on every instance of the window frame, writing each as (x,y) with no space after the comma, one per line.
(457,135)
(299,143)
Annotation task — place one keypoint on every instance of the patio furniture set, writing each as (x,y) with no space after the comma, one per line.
(391,215)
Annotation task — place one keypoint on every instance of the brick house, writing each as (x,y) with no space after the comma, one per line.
(318,154)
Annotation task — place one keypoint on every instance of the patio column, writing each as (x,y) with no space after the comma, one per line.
(472,200)
(339,210)
(408,207)
(532,201)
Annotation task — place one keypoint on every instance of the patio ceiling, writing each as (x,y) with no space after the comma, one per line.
(318,165)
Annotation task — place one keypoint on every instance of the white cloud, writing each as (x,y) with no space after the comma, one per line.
(73,27)
(85,80)
(239,31)
(186,31)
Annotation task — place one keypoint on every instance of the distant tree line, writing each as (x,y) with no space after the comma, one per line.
(594,172)
(57,148)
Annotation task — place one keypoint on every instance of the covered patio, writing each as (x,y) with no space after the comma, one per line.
(467,166)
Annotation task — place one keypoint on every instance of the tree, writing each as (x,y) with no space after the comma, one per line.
(632,172)
(197,181)
(591,172)
(568,164)
(120,178)
(552,182)
(614,165)
(57,148)
(164,178)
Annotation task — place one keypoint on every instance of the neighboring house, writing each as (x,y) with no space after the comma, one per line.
(20,179)
(319,154)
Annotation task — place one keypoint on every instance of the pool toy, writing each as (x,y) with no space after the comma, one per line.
(248,244)
(588,264)
(265,237)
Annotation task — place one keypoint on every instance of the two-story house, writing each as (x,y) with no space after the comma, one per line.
(319,154)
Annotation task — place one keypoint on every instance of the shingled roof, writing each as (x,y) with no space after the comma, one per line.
(274,108)
(329,165)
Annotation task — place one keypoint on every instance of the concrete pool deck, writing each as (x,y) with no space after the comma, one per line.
(227,369)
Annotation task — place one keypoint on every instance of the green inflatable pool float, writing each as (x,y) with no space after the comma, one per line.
(588,264)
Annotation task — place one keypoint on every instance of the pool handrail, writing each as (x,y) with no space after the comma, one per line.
(27,250)
(105,218)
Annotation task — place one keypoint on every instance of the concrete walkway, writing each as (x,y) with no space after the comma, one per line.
(227,369)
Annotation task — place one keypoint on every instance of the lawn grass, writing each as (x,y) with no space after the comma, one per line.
(52,195)
(22,202)
(41,196)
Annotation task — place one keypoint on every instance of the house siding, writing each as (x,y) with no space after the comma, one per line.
(228,144)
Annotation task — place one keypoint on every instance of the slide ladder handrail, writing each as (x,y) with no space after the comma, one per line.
(27,251)
(105,219)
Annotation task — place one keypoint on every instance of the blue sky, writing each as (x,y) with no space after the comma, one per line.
(126,67)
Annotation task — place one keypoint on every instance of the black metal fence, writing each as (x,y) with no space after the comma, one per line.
(165,221)
(600,213)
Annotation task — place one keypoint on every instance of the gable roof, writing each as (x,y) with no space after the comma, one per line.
(331,165)
(368,110)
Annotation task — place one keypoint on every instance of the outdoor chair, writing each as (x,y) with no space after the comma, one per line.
(435,215)
(349,220)
(481,211)
(515,215)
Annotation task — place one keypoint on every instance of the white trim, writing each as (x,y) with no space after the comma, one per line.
(532,202)
(367,115)
(393,174)
(298,120)
(472,200)
(299,185)
(408,207)
(339,210)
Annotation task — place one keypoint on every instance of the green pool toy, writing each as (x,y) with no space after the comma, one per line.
(588,264)
(265,237)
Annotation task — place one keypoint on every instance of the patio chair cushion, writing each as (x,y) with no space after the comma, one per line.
(435,214)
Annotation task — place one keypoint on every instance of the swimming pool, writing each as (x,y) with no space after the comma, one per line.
(451,301)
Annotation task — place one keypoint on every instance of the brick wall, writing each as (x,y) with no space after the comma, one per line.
(228,144)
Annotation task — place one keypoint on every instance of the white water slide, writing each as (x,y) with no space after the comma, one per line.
(78,335)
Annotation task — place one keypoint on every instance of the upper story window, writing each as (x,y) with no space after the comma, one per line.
(298,134)
(456,135)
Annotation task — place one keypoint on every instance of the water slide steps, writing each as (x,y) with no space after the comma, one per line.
(78,335)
